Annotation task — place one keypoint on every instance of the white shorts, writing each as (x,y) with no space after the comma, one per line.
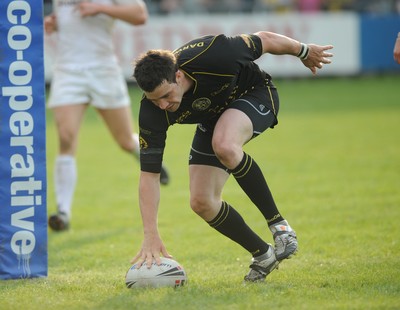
(103,88)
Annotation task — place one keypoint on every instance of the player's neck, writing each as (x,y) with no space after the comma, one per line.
(186,83)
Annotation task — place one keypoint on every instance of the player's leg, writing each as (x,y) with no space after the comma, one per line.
(248,117)
(206,183)
(119,122)
(68,119)
(207,178)
(233,129)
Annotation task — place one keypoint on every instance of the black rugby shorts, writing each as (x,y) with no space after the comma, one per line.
(260,104)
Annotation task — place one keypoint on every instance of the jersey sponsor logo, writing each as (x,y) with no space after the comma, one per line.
(189,46)
(225,86)
(144,131)
(218,109)
(183,116)
(201,104)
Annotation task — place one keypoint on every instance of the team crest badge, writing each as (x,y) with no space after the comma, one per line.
(201,104)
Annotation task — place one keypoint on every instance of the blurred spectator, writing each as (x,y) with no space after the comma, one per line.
(170,6)
(337,5)
(377,6)
(167,7)
(279,5)
(309,5)
(247,5)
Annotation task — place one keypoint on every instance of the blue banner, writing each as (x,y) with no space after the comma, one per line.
(378,35)
(23,215)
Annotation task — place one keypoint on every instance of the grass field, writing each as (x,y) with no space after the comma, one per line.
(333,165)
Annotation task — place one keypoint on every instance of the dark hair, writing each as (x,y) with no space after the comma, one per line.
(155,67)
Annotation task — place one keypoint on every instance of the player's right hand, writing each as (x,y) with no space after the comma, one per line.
(152,247)
(317,57)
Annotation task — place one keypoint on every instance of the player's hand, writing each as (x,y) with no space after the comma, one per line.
(50,24)
(317,57)
(152,247)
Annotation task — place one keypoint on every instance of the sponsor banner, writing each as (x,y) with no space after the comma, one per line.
(170,32)
(23,216)
(341,30)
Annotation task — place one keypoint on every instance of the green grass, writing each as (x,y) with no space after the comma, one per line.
(333,165)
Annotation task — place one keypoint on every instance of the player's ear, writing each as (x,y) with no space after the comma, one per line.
(178,75)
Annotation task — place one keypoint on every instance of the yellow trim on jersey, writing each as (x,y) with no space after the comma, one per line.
(272,99)
(211,43)
(166,116)
(215,74)
(192,78)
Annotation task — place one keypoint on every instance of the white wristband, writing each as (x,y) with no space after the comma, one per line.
(303,54)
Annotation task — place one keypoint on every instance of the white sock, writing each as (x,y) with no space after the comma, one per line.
(136,151)
(65,177)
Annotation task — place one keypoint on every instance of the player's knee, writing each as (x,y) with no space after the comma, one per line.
(226,153)
(200,204)
(67,139)
(221,148)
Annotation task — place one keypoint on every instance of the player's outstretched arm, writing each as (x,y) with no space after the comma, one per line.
(313,56)
(149,197)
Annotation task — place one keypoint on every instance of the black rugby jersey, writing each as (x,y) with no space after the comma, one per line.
(222,69)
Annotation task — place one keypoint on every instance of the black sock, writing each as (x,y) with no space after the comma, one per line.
(251,179)
(231,224)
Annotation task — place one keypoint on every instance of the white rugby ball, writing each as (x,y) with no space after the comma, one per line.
(168,273)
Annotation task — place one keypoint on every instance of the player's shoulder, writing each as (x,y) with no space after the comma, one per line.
(235,41)
(196,45)
(205,45)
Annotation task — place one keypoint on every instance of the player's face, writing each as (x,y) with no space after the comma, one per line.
(167,96)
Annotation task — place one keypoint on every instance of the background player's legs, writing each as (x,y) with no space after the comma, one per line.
(68,120)
(119,122)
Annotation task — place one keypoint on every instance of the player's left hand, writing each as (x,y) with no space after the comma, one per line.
(317,57)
